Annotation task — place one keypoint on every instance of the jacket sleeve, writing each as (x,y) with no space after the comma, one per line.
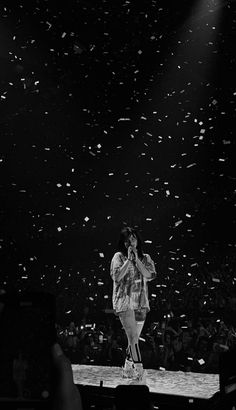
(116,264)
(150,266)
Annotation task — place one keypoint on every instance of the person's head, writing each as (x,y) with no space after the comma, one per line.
(167,338)
(130,237)
(176,344)
(203,344)
(72,325)
(186,338)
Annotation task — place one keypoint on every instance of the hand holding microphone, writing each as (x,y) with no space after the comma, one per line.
(132,254)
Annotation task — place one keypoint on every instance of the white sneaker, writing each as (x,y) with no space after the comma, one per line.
(140,374)
(128,369)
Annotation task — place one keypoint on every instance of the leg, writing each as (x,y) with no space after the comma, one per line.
(139,327)
(140,316)
(127,319)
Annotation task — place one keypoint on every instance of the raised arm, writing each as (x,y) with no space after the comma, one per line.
(119,268)
(146,267)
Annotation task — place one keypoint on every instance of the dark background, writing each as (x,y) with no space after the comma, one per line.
(115,113)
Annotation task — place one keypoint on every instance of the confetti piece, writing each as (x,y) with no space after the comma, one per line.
(178,223)
(201,361)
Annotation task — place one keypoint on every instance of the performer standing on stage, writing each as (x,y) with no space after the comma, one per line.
(130,270)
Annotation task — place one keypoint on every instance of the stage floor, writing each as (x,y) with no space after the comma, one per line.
(194,385)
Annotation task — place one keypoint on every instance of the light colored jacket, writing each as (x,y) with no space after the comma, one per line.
(131,292)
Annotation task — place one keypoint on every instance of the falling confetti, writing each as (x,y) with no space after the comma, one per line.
(109,120)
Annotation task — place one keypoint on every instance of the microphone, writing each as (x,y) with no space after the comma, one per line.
(133,253)
(133,256)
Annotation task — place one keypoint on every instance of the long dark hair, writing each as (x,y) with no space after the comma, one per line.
(124,236)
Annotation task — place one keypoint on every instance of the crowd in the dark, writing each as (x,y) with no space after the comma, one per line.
(184,336)
(171,346)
